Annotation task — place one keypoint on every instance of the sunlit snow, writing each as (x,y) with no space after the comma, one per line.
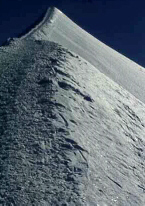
(72,120)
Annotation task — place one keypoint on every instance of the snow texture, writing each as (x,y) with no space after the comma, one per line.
(69,134)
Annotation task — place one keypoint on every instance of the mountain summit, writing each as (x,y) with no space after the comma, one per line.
(57,27)
(72,120)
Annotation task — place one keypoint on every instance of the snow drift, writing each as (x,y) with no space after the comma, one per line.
(69,134)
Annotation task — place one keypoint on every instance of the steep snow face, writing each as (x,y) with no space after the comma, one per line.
(69,134)
(59,28)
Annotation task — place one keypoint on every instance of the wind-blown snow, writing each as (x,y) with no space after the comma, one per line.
(69,135)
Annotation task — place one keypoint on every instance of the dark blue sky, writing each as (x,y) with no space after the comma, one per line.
(118,23)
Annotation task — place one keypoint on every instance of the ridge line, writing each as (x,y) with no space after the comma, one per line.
(47,16)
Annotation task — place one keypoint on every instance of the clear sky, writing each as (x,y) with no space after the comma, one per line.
(118,23)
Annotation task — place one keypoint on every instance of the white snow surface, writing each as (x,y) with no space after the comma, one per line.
(70,135)
(57,27)
(75,136)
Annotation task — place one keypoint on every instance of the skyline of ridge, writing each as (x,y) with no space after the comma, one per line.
(104,20)
(57,27)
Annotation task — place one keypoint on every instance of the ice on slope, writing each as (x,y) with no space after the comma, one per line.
(57,27)
(69,134)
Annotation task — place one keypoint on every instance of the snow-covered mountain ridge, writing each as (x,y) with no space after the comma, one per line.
(57,27)
(69,135)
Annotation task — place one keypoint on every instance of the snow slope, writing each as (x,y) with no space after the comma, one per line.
(69,134)
(57,27)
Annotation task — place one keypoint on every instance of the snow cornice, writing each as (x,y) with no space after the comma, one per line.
(43,19)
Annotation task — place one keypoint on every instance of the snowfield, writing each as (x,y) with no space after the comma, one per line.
(72,126)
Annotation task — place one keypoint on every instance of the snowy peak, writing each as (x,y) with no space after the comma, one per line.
(43,19)
(69,135)
(57,27)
